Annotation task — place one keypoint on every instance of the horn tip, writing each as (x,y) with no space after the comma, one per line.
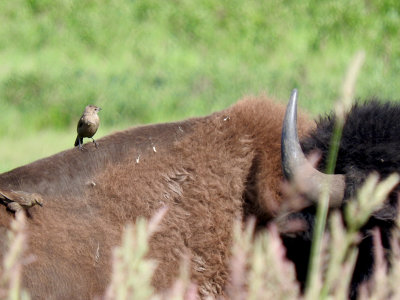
(294,93)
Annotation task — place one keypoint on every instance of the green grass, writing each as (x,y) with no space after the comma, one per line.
(154,61)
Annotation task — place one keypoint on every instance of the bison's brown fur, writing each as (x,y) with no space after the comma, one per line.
(208,171)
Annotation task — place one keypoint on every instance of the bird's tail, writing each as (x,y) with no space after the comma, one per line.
(77,141)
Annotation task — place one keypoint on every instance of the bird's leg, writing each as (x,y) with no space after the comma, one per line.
(95,143)
(80,145)
(14,206)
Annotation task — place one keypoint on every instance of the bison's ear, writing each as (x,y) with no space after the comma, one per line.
(6,194)
(297,169)
(23,198)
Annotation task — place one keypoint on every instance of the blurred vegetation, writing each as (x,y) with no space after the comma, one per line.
(153,61)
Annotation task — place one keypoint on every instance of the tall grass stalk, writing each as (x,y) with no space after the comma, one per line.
(132,272)
(13,261)
(313,282)
(258,267)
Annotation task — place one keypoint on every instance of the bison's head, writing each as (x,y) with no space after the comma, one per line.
(370,143)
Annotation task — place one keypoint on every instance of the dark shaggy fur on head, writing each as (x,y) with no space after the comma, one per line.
(370,142)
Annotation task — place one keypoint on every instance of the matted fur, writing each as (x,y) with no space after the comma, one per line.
(208,171)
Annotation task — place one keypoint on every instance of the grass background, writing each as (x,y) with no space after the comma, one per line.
(153,61)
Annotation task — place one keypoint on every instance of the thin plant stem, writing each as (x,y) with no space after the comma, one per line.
(313,284)
(322,210)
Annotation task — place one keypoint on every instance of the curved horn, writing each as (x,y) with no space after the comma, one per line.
(298,169)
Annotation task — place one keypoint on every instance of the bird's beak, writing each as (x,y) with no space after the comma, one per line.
(40,204)
(99,108)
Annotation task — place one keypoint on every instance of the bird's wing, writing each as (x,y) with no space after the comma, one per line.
(80,123)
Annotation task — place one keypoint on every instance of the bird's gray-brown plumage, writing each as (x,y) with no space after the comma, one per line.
(88,125)
(18,200)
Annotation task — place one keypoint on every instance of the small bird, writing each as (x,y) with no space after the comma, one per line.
(88,125)
(19,200)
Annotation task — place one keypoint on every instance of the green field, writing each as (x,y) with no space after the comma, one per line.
(153,61)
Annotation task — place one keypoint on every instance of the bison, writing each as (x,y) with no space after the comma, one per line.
(208,171)
(370,143)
